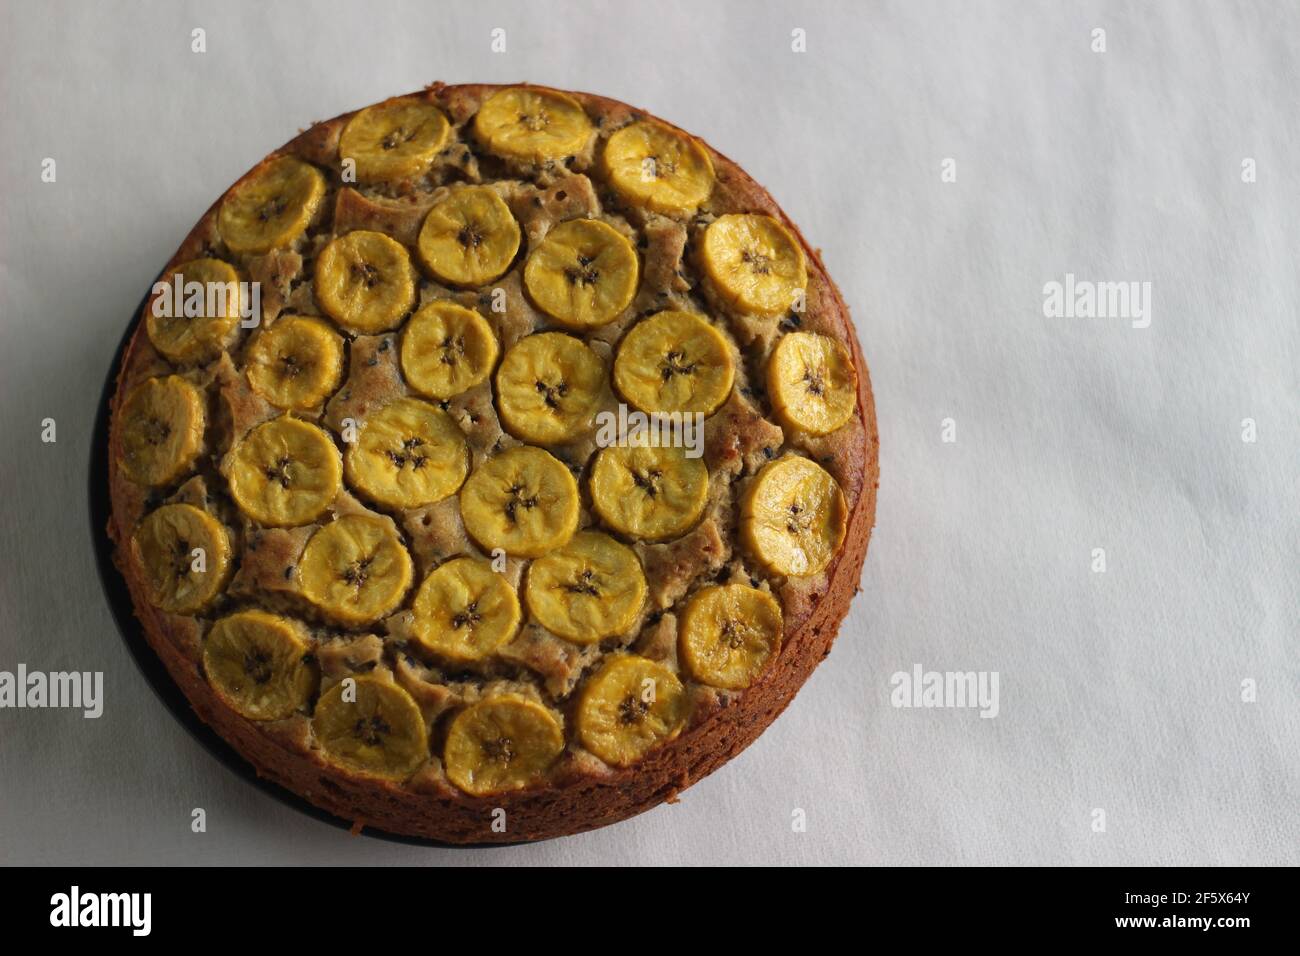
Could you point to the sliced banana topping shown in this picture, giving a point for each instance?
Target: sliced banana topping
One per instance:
(469, 238)
(629, 707)
(754, 263)
(355, 569)
(587, 590)
(272, 207)
(583, 274)
(200, 337)
(163, 422)
(549, 388)
(408, 454)
(649, 493)
(674, 362)
(365, 281)
(285, 472)
(446, 349)
(465, 611)
(260, 664)
(185, 554)
(812, 383)
(370, 726)
(793, 517)
(500, 744)
(662, 169)
(728, 633)
(296, 363)
(394, 140)
(533, 126)
(523, 501)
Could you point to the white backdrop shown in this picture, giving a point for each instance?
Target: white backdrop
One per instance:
(1119, 691)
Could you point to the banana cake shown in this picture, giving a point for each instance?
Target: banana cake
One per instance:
(365, 506)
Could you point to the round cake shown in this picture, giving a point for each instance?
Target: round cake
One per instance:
(492, 463)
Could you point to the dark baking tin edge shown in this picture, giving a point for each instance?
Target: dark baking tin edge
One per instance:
(150, 664)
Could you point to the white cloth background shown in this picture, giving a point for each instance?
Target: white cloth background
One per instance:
(1119, 691)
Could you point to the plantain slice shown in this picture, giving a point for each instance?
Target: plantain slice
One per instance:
(365, 281)
(583, 274)
(260, 664)
(532, 125)
(469, 238)
(199, 328)
(500, 744)
(285, 472)
(296, 363)
(812, 383)
(549, 388)
(674, 362)
(447, 349)
(793, 517)
(163, 422)
(355, 569)
(465, 611)
(649, 493)
(394, 141)
(629, 707)
(754, 263)
(728, 633)
(587, 590)
(523, 501)
(380, 731)
(409, 454)
(272, 207)
(185, 554)
(658, 168)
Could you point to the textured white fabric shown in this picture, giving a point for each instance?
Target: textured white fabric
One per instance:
(1119, 691)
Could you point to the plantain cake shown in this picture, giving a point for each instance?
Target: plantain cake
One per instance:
(366, 501)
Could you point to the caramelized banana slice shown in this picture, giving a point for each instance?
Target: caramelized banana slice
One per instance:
(812, 383)
(409, 453)
(185, 554)
(549, 388)
(380, 732)
(649, 493)
(163, 421)
(754, 263)
(355, 569)
(728, 633)
(501, 744)
(793, 517)
(447, 349)
(523, 501)
(583, 274)
(260, 664)
(533, 126)
(659, 168)
(296, 363)
(464, 611)
(629, 707)
(272, 207)
(589, 589)
(285, 472)
(394, 140)
(470, 238)
(202, 336)
(365, 281)
(674, 362)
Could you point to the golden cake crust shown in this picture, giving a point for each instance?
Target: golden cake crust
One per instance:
(583, 793)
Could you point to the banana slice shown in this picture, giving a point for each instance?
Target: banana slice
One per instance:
(728, 633)
(674, 362)
(469, 238)
(649, 493)
(272, 207)
(812, 383)
(296, 363)
(447, 349)
(549, 388)
(533, 126)
(500, 744)
(381, 732)
(523, 501)
(185, 554)
(464, 611)
(589, 589)
(754, 263)
(259, 664)
(355, 569)
(365, 281)
(200, 337)
(793, 517)
(285, 472)
(409, 453)
(629, 707)
(393, 141)
(163, 421)
(583, 274)
(659, 168)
